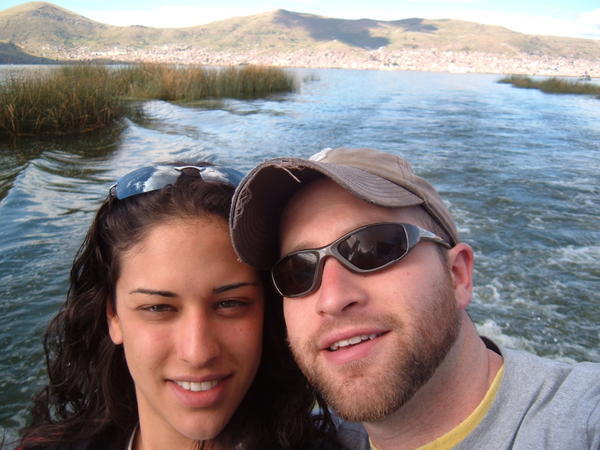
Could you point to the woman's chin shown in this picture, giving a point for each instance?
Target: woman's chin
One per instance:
(203, 431)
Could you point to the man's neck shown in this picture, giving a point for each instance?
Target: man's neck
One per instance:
(449, 397)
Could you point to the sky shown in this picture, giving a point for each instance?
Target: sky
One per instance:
(575, 18)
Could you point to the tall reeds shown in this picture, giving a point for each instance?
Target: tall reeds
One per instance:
(71, 99)
(552, 85)
(252, 82)
(191, 83)
(75, 99)
(163, 82)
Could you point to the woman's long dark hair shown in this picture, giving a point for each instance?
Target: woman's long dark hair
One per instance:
(90, 394)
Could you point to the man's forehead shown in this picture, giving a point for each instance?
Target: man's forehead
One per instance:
(324, 209)
(301, 207)
(308, 193)
(317, 199)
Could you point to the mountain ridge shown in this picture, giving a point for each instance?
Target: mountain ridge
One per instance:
(46, 30)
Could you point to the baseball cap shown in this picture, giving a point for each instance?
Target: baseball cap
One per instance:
(380, 178)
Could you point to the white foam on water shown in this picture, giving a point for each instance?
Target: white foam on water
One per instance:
(463, 219)
(585, 255)
(488, 294)
(538, 223)
(581, 182)
(492, 330)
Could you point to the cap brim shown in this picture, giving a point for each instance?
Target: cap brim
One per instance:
(261, 197)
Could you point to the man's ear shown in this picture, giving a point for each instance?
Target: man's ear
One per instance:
(114, 324)
(460, 260)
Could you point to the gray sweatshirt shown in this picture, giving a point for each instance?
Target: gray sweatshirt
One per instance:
(541, 404)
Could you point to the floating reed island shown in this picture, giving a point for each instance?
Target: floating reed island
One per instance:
(553, 85)
(82, 98)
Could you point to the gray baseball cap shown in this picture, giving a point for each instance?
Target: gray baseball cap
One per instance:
(380, 178)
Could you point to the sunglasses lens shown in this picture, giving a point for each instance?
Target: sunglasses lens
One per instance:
(294, 274)
(375, 246)
(148, 179)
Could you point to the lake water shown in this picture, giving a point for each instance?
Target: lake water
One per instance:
(520, 171)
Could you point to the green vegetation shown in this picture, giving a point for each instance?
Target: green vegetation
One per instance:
(189, 83)
(77, 99)
(553, 85)
(72, 99)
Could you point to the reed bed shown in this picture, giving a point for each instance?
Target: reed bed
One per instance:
(192, 83)
(553, 85)
(162, 82)
(72, 99)
(253, 82)
(76, 99)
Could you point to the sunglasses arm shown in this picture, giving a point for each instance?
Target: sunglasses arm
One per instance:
(427, 235)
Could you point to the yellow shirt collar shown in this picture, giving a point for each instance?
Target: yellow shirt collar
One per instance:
(466, 427)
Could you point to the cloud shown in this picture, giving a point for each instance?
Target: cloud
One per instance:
(558, 27)
(543, 25)
(591, 17)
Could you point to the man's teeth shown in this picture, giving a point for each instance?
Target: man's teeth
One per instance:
(197, 387)
(352, 341)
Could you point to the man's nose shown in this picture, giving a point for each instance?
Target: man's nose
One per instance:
(340, 290)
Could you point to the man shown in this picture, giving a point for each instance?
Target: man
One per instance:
(376, 283)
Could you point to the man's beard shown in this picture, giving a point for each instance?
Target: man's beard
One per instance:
(366, 392)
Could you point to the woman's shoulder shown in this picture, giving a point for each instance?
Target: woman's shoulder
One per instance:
(108, 438)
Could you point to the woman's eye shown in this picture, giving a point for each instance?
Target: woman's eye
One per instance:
(230, 304)
(232, 308)
(158, 308)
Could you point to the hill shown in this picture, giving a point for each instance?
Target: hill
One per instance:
(12, 54)
(280, 37)
(38, 25)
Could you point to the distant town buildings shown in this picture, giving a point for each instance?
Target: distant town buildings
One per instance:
(381, 59)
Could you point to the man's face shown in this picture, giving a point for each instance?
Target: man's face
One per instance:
(367, 342)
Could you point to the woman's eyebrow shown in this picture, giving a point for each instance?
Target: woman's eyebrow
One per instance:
(229, 287)
(153, 292)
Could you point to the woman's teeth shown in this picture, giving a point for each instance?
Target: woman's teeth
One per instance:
(197, 387)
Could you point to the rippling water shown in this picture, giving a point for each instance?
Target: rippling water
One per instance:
(520, 170)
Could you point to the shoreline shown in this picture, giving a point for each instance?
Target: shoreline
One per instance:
(421, 60)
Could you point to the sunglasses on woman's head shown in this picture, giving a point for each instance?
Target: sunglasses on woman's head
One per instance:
(366, 249)
(148, 179)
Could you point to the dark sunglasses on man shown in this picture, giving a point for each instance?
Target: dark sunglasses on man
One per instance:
(365, 249)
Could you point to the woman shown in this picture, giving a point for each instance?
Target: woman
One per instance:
(160, 343)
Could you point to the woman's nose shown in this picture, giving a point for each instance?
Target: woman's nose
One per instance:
(197, 342)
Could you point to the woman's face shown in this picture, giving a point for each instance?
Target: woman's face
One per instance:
(189, 316)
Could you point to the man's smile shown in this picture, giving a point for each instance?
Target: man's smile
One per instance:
(352, 341)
